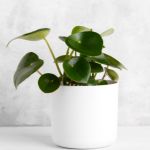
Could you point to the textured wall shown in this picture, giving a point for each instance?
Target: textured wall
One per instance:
(130, 43)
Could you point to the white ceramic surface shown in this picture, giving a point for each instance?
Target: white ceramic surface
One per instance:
(85, 116)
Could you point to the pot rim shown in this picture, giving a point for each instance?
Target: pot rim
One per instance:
(85, 86)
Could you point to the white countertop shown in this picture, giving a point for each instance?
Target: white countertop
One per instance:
(38, 138)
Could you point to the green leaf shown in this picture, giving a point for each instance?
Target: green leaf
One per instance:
(88, 43)
(66, 80)
(108, 32)
(63, 38)
(112, 74)
(95, 67)
(78, 29)
(29, 64)
(92, 81)
(33, 36)
(97, 82)
(77, 69)
(108, 60)
(62, 58)
(111, 81)
(48, 83)
(102, 82)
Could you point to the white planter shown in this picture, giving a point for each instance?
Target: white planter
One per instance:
(85, 116)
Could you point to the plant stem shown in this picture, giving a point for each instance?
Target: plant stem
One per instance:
(71, 53)
(57, 66)
(39, 72)
(67, 53)
(105, 73)
(95, 75)
(75, 53)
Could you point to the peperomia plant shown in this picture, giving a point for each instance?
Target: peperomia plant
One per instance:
(84, 62)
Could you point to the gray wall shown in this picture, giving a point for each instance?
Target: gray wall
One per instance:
(130, 43)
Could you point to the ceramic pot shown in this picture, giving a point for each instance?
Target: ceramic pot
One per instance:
(85, 116)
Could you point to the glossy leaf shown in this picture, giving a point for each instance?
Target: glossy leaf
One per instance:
(48, 83)
(97, 82)
(78, 29)
(108, 60)
(66, 80)
(112, 74)
(77, 69)
(102, 82)
(62, 58)
(108, 32)
(95, 67)
(92, 81)
(29, 64)
(88, 43)
(33, 36)
(63, 38)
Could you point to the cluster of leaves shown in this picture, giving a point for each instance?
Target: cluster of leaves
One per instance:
(83, 60)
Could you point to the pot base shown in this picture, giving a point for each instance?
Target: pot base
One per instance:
(86, 147)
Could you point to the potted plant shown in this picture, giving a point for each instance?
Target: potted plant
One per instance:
(84, 101)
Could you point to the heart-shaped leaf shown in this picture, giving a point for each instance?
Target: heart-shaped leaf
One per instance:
(29, 64)
(112, 74)
(33, 36)
(88, 43)
(78, 29)
(62, 58)
(108, 32)
(108, 60)
(95, 67)
(48, 83)
(77, 69)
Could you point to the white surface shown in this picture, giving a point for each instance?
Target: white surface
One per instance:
(38, 138)
(130, 43)
(85, 116)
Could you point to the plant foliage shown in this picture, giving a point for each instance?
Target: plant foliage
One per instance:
(85, 62)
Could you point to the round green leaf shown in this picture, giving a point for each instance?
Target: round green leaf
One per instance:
(62, 58)
(33, 36)
(108, 60)
(77, 69)
(29, 64)
(108, 32)
(78, 29)
(88, 43)
(112, 74)
(95, 67)
(48, 83)
(66, 80)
